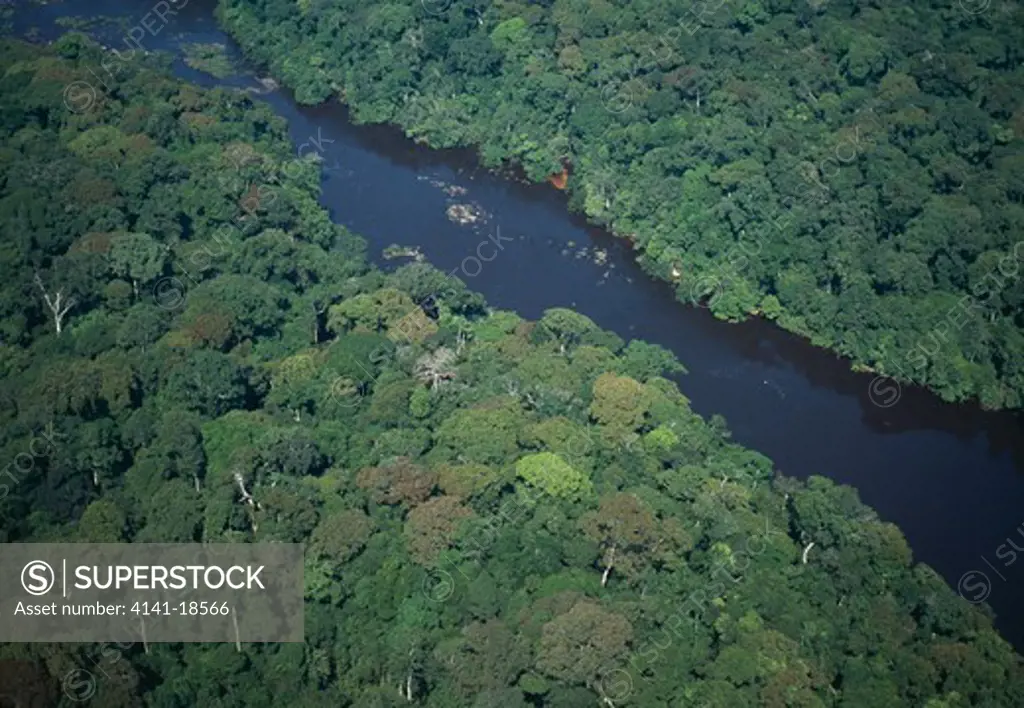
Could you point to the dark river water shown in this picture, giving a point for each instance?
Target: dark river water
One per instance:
(950, 476)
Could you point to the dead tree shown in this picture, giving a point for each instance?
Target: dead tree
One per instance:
(318, 310)
(807, 549)
(436, 367)
(247, 499)
(57, 304)
(405, 689)
(609, 564)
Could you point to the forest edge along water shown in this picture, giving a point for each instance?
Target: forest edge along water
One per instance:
(948, 475)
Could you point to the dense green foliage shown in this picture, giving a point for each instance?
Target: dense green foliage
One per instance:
(498, 513)
(852, 170)
(211, 58)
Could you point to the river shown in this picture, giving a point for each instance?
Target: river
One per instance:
(950, 476)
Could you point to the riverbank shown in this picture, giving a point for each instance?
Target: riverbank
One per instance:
(721, 190)
(950, 476)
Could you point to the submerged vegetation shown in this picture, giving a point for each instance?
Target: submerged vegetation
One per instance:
(498, 513)
(210, 58)
(850, 170)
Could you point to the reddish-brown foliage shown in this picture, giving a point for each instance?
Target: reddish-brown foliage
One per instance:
(92, 242)
(398, 482)
(89, 189)
(432, 526)
(211, 328)
(559, 179)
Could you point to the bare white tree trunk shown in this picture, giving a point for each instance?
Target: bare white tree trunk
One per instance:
(436, 367)
(608, 567)
(317, 311)
(57, 304)
(807, 550)
(234, 621)
(247, 499)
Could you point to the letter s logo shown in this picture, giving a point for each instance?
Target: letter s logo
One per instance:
(37, 577)
(974, 586)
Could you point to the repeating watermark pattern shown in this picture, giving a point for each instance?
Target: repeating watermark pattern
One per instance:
(846, 152)
(170, 292)
(80, 96)
(439, 584)
(709, 287)
(857, 139)
(319, 151)
(618, 683)
(974, 7)
(81, 685)
(41, 446)
(346, 392)
(436, 7)
(884, 390)
(617, 97)
(615, 683)
(975, 586)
